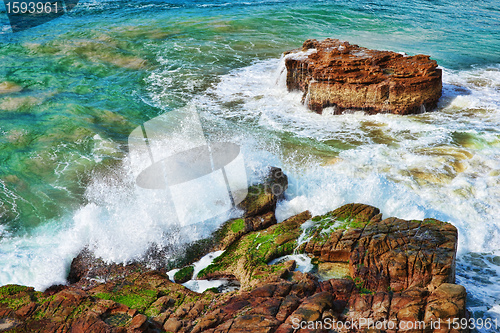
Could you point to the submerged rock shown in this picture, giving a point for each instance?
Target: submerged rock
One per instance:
(8, 87)
(336, 74)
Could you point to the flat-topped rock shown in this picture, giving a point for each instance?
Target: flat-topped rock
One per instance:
(336, 74)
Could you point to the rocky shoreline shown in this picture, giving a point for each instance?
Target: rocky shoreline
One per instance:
(367, 269)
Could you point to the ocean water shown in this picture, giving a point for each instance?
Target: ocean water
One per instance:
(72, 90)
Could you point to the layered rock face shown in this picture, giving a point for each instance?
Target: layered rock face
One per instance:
(336, 74)
(394, 272)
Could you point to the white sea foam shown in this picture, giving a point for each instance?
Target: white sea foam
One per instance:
(205, 262)
(302, 262)
(300, 55)
(200, 286)
(171, 273)
(119, 224)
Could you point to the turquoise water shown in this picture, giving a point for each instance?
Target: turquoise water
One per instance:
(72, 90)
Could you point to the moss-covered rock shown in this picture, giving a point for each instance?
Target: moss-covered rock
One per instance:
(184, 274)
(13, 289)
(262, 198)
(247, 258)
(237, 225)
(15, 296)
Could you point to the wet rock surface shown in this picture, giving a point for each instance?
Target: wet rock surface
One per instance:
(336, 74)
(401, 273)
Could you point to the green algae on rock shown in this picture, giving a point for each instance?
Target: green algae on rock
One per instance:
(184, 274)
(247, 258)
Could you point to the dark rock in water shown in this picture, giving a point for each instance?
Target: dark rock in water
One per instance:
(262, 198)
(399, 272)
(87, 270)
(333, 73)
(54, 289)
(81, 266)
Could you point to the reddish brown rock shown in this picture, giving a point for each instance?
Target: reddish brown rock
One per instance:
(446, 303)
(333, 73)
(392, 254)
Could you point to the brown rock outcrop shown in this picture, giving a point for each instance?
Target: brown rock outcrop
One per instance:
(333, 73)
(390, 254)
